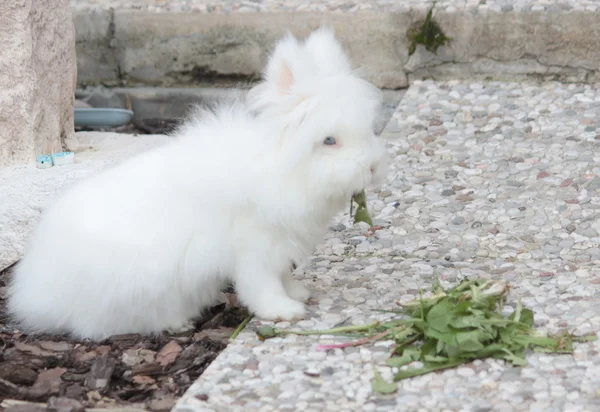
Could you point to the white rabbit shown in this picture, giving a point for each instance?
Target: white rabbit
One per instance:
(239, 194)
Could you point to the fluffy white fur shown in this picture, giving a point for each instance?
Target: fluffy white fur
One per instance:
(240, 193)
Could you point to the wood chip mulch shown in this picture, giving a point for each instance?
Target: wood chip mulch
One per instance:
(56, 373)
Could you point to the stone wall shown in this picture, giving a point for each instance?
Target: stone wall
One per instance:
(131, 48)
(37, 78)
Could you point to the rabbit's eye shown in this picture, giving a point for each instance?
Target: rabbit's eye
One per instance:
(329, 141)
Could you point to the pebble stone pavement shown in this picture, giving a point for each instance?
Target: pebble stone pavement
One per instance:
(500, 180)
(341, 6)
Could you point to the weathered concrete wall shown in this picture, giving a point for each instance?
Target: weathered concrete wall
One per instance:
(547, 46)
(180, 49)
(37, 78)
(135, 48)
(189, 47)
(95, 52)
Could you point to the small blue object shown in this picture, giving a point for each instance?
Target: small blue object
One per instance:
(102, 117)
(44, 161)
(63, 158)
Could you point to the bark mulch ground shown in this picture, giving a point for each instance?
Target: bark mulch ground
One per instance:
(56, 373)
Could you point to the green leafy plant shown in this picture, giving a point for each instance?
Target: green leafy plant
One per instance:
(428, 33)
(362, 213)
(448, 329)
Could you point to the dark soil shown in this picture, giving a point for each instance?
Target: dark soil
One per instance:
(59, 373)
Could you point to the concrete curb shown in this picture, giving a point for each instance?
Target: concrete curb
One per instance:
(26, 191)
(178, 49)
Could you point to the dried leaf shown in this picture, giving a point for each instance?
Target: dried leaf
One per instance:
(147, 369)
(221, 334)
(94, 396)
(56, 346)
(132, 357)
(100, 373)
(32, 349)
(163, 404)
(47, 383)
(9, 389)
(143, 380)
(17, 373)
(168, 353)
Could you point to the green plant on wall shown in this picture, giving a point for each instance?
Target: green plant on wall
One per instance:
(428, 33)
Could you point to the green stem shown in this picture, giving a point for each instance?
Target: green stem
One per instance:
(429, 301)
(370, 339)
(410, 373)
(241, 327)
(333, 331)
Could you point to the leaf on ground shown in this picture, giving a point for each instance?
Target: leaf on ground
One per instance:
(440, 315)
(380, 385)
(409, 355)
(513, 358)
(435, 359)
(454, 327)
(362, 213)
(168, 353)
(469, 341)
(447, 337)
(527, 317)
(468, 321)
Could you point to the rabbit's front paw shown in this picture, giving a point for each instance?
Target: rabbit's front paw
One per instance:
(281, 308)
(295, 289)
(181, 328)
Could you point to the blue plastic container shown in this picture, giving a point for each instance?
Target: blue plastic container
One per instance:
(102, 117)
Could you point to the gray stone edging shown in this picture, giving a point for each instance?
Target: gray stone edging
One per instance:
(488, 179)
(131, 48)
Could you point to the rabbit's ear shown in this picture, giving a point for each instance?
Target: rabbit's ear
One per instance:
(280, 68)
(327, 52)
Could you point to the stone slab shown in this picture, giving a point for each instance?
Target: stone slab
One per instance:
(496, 180)
(37, 79)
(25, 191)
(196, 42)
